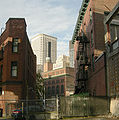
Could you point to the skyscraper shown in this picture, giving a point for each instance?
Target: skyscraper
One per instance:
(44, 46)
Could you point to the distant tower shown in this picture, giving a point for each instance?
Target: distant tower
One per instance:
(44, 46)
(48, 66)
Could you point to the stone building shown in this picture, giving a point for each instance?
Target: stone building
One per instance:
(17, 64)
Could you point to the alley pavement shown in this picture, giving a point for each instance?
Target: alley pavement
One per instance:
(93, 118)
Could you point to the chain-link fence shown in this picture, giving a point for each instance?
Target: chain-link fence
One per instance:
(29, 107)
(55, 108)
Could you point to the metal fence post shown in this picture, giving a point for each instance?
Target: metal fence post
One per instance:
(6, 105)
(22, 109)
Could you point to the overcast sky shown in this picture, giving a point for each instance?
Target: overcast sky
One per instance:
(53, 17)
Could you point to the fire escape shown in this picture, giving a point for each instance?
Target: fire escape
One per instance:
(82, 64)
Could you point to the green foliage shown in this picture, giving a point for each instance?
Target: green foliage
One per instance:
(86, 94)
(39, 85)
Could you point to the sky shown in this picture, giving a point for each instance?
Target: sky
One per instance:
(52, 17)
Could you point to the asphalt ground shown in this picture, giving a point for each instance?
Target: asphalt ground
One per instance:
(93, 118)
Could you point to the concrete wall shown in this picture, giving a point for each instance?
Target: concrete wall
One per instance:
(114, 106)
(80, 106)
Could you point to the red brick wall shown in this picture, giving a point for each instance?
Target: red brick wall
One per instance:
(16, 87)
(65, 74)
(97, 78)
(48, 66)
(97, 26)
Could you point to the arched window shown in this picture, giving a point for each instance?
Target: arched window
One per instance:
(53, 90)
(62, 89)
(49, 90)
(57, 89)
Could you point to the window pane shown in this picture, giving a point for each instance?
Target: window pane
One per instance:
(15, 45)
(57, 89)
(15, 49)
(62, 89)
(14, 69)
(115, 45)
(53, 90)
(14, 72)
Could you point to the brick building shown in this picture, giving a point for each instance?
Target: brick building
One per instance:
(88, 39)
(112, 49)
(97, 82)
(17, 63)
(59, 81)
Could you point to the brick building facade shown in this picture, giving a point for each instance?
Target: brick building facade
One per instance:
(90, 27)
(59, 82)
(17, 63)
(112, 50)
(97, 81)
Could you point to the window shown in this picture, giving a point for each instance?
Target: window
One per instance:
(1, 71)
(53, 90)
(115, 45)
(15, 45)
(91, 38)
(2, 51)
(57, 89)
(49, 49)
(49, 90)
(14, 69)
(0, 90)
(53, 82)
(57, 81)
(90, 16)
(62, 80)
(93, 62)
(49, 82)
(62, 89)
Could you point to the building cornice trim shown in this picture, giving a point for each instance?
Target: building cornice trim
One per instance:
(80, 19)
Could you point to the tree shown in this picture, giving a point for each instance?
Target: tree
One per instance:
(39, 85)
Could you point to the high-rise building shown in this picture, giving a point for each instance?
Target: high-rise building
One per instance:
(44, 46)
(71, 53)
(17, 65)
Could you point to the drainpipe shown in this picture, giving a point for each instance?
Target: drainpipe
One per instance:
(106, 69)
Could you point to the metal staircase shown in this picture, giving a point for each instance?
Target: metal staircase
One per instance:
(82, 65)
